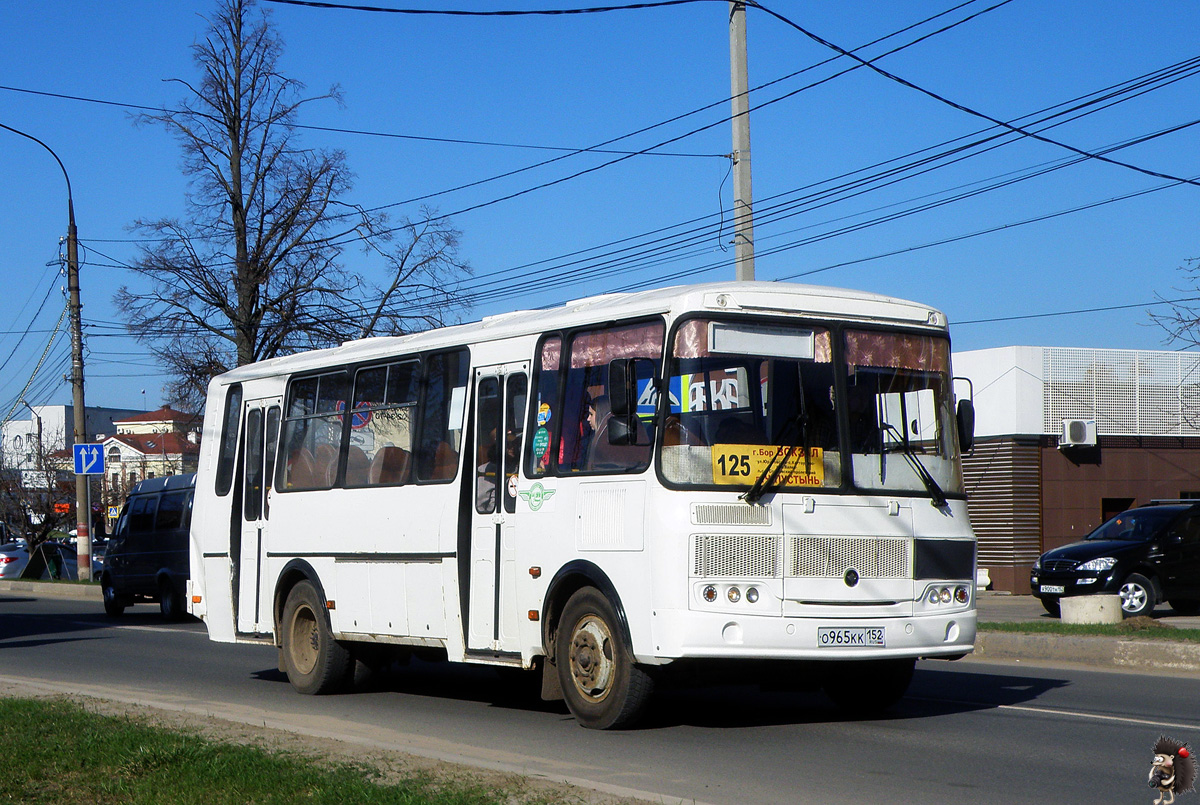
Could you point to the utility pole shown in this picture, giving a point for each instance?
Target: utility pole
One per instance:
(743, 213)
(83, 497)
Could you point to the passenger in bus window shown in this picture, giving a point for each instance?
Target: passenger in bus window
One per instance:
(486, 476)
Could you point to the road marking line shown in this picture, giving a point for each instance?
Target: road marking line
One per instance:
(132, 628)
(1050, 711)
(1098, 717)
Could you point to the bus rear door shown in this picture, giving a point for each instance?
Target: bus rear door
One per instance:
(261, 434)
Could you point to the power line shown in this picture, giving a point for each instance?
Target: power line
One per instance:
(1077, 312)
(550, 12)
(364, 132)
(963, 108)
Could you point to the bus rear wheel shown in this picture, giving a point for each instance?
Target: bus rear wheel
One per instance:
(602, 686)
(315, 663)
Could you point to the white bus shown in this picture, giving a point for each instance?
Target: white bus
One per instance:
(758, 476)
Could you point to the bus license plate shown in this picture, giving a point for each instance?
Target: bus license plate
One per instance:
(1052, 588)
(828, 636)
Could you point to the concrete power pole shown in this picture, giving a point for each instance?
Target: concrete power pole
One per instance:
(83, 501)
(743, 213)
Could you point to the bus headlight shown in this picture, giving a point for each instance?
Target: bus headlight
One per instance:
(710, 593)
(734, 595)
(961, 595)
(944, 595)
(752, 595)
(933, 596)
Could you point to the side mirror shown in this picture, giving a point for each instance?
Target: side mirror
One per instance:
(966, 425)
(622, 388)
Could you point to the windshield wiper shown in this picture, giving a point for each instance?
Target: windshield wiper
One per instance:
(770, 473)
(931, 486)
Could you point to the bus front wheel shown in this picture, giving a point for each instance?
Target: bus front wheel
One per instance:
(314, 661)
(602, 687)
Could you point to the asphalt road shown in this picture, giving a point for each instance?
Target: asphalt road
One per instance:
(967, 731)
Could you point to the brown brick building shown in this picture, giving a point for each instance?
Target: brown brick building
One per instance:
(1067, 437)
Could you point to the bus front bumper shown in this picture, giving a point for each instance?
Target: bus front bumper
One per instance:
(682, 634)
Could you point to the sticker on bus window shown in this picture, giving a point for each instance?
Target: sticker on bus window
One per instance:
(742, 464)
(543, 414)
(541, 441)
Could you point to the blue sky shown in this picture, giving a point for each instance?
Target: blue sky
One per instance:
(576, 81)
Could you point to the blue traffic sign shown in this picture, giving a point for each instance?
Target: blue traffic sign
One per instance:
(89, 459)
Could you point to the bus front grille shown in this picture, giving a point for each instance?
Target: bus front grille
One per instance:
(831, 557)
(736, 555)
(758, 556)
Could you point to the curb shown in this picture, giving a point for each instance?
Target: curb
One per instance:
(51, 589)
(1132, 654)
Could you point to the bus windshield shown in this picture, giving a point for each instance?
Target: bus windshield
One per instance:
(901, 415)
(758, 406)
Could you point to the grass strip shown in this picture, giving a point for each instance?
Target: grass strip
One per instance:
(61, 754)
(1139, 628)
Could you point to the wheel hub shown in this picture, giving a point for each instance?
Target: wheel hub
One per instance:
(591, 658)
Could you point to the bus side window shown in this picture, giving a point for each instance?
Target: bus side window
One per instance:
(441, 427)
(312, 431)
(227, 451)
(547, 411)
(381, 431)
(589, 440)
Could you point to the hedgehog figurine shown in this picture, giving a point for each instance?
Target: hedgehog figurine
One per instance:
(1173, 770)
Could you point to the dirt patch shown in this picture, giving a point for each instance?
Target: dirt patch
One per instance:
(1141, 623)
(390, 766)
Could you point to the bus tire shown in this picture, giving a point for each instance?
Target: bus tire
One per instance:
(314, 661)
(868, 687)
(602, 686)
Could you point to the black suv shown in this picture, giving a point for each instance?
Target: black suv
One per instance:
(1147, 555)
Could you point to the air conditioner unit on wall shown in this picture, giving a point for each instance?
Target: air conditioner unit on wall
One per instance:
(1078, 433)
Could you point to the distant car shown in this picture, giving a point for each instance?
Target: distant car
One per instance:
(62, 562)
(13, 558)
(1146, 555)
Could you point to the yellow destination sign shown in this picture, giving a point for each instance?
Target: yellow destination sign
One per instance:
(742, 464)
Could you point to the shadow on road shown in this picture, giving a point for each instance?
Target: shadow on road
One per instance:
(933, 693)
(16, 628)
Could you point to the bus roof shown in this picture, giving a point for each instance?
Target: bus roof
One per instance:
(763, 298)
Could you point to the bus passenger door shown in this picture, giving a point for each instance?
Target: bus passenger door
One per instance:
(260, 431)
(501, 394)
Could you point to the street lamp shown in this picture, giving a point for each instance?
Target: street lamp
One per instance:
(83, 505)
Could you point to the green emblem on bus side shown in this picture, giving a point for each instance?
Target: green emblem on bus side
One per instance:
(536, 495)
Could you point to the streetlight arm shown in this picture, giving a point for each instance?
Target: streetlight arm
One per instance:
(83, 505)
(63, 168)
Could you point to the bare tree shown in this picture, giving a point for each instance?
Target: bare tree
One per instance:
(1182, 321)
(255, 268)
(36, 497)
